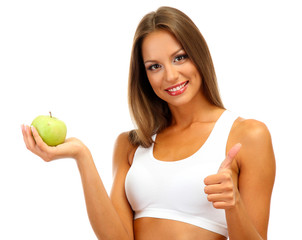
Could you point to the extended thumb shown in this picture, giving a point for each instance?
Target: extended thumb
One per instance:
(230, 157)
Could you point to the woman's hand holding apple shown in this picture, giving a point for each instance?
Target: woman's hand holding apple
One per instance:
(71, 148)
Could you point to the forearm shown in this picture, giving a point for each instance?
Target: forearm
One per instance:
(240, 225)
(103, 217)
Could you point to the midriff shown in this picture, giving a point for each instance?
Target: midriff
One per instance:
(164, 229)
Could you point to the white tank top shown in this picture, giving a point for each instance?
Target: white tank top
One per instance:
(175, 189)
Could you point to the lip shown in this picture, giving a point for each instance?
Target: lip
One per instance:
(177, 89)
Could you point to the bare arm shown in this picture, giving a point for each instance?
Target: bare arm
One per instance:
(244, 183)
(256, 162)
(104, 218)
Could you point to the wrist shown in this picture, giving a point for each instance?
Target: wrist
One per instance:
(81, 152)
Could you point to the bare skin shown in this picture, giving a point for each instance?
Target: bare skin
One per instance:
(239, 186)
(242, 186)
(254, 186)
(256, 201)
(161, 229)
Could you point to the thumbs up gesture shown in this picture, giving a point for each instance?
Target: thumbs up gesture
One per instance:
(220, 187)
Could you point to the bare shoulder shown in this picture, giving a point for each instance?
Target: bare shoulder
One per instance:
(123, 151)
(122, 141)
(250, 130)
(256, 141)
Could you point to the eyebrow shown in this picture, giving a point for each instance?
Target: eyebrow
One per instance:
(177, 51)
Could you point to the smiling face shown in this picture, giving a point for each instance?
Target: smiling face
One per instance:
(172, 75)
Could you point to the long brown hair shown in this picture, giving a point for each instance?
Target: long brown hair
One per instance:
(150, 113)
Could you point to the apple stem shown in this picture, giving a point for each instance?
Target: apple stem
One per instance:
(50, 114)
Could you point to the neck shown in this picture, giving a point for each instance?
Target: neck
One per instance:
(198, 111)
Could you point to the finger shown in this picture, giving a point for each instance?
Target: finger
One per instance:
(216, 197)
(212, 179)
(23, 132)
(234, 150)
(39, 142)
(28, 138)
(23, 129)
(44, 151)
(222, 205)
(213, 189)
(218, 178)
(230, 157)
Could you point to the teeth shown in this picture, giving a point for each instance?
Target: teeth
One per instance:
(177, 88)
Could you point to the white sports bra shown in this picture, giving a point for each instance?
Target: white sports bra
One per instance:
(175, 189)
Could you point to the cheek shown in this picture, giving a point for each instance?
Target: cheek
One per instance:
(154, 82)
(196, 75)
(190, 69)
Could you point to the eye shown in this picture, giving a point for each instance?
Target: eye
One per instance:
(154, 67)
(180, 58)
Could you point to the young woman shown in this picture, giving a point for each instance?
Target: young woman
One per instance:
(191, 169)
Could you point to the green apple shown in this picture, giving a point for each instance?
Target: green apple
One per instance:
(51, 130)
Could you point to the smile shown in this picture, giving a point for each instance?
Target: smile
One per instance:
(177, 89)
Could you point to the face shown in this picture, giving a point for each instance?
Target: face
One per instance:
(172, 75)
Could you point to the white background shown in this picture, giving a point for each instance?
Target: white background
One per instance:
(72, 57)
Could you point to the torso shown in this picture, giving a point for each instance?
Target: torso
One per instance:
(181, 145)
(163, 229)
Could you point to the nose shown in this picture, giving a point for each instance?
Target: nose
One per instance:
(171, 73)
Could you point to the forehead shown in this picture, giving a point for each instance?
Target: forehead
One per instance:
(158, 43)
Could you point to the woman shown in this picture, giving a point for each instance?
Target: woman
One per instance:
(191, 169)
